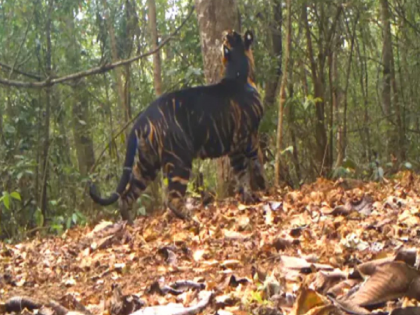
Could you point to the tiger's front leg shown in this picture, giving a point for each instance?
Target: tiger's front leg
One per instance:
(239, 164)
(257, 169)
(178, 176)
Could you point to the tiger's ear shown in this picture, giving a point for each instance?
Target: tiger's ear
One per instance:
(248, 39)
(226, 53)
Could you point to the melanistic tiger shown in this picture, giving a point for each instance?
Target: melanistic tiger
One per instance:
(199, 122)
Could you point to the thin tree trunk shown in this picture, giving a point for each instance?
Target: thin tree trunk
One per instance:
(157, 83)
(398, 138)
(283, 94)
(215, 17)
(81, 130)
(396, 105)
(342, 123)
(2, 139)
(386, 59)
(320, 132)
(272, 86)
(364, 81)
(48, 92)
(118, 70)
(290, 114)
(386, 72)
(157, 72)
(80, 111)
(335, 104)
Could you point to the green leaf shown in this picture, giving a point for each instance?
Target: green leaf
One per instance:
(408, 165)
(141, 211)
(288, 149)
(146, 196)
(381, 172)
(74, 218)
(348, 163)
(39, 218)
(57, 227)
(6, 200)
(16, 195)
(68, 223)
(306, 104)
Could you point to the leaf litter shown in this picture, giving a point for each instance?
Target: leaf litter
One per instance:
(328, 248)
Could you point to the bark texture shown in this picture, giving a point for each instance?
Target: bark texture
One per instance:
(157, 72)
(283, 93)
(272, 86)
(215, 17)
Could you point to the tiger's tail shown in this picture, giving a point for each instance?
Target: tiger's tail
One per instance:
(125, 177)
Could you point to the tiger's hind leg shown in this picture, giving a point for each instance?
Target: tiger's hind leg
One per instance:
(178, 174)
(141, 177)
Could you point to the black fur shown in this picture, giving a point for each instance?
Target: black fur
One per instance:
(200, 122)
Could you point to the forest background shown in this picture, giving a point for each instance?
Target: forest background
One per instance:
(347, 73)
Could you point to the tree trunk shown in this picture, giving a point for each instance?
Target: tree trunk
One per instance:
(335, 105)
(157, 83)
(386, 58)
(283, 94)
(271, 87)
(46, 145)
(118, 70)
(2, 139)
(342, 124)
(398, 137)
(320, 131)
(82, 138)
(157, 72)
(215, 17)
(80, 110)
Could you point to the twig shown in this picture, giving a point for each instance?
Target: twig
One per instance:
(101, 69)
(26, 74)
(113, 138)
(20, 48)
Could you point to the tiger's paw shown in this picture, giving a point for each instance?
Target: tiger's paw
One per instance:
(179, 210)
(248, 198)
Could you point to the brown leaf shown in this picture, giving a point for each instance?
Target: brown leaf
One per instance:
(406, 311)
(295, 263)
(325, 280)
(389, 281)
(349, 307)
(369, 268)
(325, 310)
(342, 287)
(307, 300)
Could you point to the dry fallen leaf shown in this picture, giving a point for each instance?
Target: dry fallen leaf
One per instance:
(389, 281)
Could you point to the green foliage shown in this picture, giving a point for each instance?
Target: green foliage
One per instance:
(7, 199)
(141, 210)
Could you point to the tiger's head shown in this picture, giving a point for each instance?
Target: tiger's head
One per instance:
(238, 60)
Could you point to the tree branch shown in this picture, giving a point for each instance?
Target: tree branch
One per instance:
(101, 69)
(26, 74)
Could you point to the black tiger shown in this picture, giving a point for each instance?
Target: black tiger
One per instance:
(200, 122)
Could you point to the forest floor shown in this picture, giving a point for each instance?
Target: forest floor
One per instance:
(328, 248)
